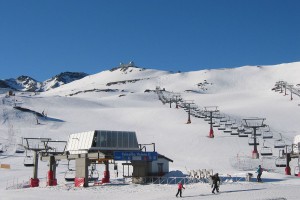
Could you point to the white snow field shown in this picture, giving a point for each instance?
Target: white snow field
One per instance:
(116, 100)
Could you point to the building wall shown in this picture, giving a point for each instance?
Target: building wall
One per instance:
(154, 166)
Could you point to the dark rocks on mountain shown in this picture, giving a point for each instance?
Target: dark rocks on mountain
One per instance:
(94, 90)
(3, 84)
(67, 77)
(125, 67)
(29, 83)
(63, 78)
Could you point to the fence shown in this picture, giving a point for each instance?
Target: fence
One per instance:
(15, 183)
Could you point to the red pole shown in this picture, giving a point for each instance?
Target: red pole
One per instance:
(287, 168)
(211, 131)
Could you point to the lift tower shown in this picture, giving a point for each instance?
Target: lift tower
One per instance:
(36, 145)
(187, 105)
(211, 110)
(255, 123)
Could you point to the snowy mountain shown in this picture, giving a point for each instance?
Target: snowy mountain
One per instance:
(28, 84)
(128, 98)
(61, 79)
(23, 83)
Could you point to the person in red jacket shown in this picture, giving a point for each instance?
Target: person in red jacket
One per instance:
(180, 186)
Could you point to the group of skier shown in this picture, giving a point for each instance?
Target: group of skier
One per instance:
(215, 182)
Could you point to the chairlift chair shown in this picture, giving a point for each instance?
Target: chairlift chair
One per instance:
(20, 149)
(222, 127)
(207, 118)
(266, 151)
(279, 144)
(258, 132)
(234, 132)
(242, 133)
(228, 122)
(248, 131)
(28, 161)
(217, 116)
(70, 173)
(217, 124)
(227, 129)
(251, 141)
(1, 148)
(267, 135)
(280, 162)
(296, 171)
(201, 115)
(234, 126)
(223, 119)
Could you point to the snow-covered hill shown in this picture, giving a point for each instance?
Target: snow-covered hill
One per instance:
(125, 99)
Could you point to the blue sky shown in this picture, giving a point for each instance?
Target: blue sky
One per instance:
(43, 38)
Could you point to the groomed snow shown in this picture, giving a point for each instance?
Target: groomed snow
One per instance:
(239, 93)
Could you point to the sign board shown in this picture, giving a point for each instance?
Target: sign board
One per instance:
(135, 155)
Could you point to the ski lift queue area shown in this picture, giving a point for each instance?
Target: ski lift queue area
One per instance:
(97, 147)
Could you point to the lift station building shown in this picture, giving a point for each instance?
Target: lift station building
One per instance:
(100, 146)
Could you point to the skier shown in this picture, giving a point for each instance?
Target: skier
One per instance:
(259, 173)
(215, 183)
(180, 186)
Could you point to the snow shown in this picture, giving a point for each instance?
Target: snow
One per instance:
(238, 93)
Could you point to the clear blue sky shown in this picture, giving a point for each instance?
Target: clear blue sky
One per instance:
(41, 38)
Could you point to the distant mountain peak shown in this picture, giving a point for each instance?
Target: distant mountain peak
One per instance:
(62, 78)
(26, 83)
(67, 77)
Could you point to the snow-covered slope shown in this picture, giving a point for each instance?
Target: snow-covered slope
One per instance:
(116, 100)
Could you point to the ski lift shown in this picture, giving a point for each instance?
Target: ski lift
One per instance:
(241, 132)
(28, 161)
(279, 143)
(222, 127)
(258, 132)
(70, 173)
(267, 134)
(93, 173)
(223, 119)
(251, 141)
(227, 129)
(1, 148)
(228, 123)
(207, 119)
(248, 131)
(202, 115)
(20, 149)
(296, 171)
(217, 124)
(217, 116)
(281, 160)
(234, 132)
(266, 151)
(234, 126)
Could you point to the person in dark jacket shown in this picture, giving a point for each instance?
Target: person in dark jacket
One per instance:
(180, 186)
(215, 183)
(259, 173)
